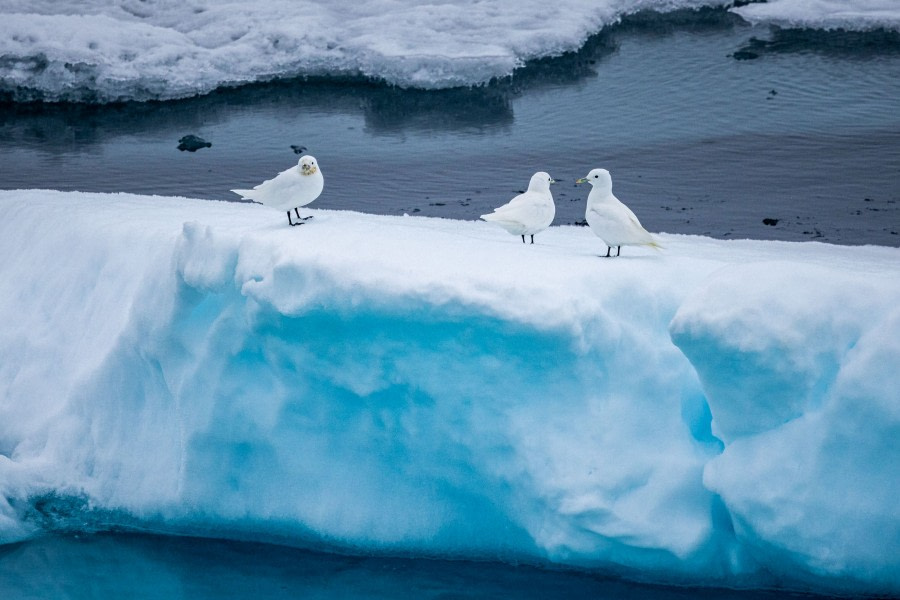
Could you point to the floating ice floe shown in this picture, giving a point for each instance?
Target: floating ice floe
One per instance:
(852, 15)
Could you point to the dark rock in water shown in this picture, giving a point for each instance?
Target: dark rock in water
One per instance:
(744, 55)
(192, 143)
(581, 223)
(770, 222)
(739, 3)
(298, 149)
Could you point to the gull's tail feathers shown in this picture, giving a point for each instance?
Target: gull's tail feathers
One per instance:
(245, 194)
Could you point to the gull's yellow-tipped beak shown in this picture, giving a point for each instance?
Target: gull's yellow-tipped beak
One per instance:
(581, 180)
(552, 180)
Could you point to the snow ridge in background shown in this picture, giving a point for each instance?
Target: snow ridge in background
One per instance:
(852, 15)
(200, 367)
(111, 50)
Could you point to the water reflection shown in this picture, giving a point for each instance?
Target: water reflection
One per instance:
(656, 99)
(64, 128)
(836, 43)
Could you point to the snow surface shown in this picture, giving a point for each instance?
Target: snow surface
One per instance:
(109, 50)
(723, 412)
(854, 15)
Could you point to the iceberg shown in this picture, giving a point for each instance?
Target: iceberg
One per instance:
(720, 413)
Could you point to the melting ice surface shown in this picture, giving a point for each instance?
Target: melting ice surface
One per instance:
(722, 412)
(854, 15)
(111, 50)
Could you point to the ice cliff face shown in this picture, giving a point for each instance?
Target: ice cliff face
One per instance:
(432, 387)
(798, 365)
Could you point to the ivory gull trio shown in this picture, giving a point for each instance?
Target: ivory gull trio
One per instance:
(528, 213)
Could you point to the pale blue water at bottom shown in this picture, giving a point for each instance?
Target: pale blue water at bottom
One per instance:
(131, 566)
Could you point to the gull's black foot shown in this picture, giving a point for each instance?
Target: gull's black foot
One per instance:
(608, 249)
(291, 221)
(523, 238)
(307, 218)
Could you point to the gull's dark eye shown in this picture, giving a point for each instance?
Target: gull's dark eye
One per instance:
(596, 176)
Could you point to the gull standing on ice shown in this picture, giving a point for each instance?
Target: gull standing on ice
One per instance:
(609, 219)
(528, 213)
(290, 189)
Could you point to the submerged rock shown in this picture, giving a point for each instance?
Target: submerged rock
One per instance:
(192, 143)
(745, 55)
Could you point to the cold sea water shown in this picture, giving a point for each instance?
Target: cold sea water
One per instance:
(102, 566)
(708, 125)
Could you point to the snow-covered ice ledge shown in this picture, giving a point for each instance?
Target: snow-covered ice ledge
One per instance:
(719, 413)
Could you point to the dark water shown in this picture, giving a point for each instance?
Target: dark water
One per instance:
(707, 125)
(103, 566)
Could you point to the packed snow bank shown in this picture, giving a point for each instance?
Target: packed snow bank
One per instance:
(799, 364)
(428, 386)
(111, 50)
(853, 15)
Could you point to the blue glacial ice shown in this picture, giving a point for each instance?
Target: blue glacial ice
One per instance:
(720, 413)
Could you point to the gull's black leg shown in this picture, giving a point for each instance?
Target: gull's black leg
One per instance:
(608, 248)
(618, 250)
(532, 238)
(292, 224)
(299, 218)
(523, 238)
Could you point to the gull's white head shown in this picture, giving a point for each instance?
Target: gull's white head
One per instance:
(540, 182)
(599, 178)
(308, 165)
